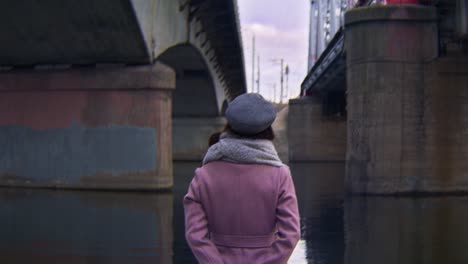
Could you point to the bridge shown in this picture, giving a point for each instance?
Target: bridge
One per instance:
(387, 96)
(93, 93)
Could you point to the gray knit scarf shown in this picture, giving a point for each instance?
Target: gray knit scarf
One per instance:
(241, 150)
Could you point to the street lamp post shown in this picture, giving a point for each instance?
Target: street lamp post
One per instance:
(281, 93)
(253, 63)
(286, 72)
(274, 92)
(281, 77)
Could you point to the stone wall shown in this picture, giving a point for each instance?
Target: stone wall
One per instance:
(190, 136)
(445, 141)
(312, 136)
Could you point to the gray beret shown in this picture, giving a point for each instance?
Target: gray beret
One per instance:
(250, 114)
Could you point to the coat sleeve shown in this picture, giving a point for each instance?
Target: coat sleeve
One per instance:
(196, 227)
(287, 220)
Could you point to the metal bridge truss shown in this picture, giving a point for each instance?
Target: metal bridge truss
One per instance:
(327, 65)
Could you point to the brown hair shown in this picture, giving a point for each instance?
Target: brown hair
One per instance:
(265, 134)
(214, 138)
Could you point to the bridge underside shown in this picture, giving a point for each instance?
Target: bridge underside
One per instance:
(70, 32)
(191, 37)
(197, 103)
(196, 94)
(329, 72)
(87, 88)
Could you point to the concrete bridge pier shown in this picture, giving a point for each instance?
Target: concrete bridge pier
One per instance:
(96, 127)
(191, 134)
(406, 116)
(315, 135)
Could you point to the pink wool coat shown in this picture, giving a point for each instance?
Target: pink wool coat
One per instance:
(241, 213)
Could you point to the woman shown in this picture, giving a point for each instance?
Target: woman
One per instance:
(241, 205)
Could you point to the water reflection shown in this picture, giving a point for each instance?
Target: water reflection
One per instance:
(406, 230)
(85, 227)
(105, 227)
(183, 173)
(319, 188)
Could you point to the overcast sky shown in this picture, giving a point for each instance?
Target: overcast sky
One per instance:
(281, 31)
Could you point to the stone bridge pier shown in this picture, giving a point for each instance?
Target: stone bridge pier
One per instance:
(316, 130)
(87, 128)
(407, 104)
(388, 96)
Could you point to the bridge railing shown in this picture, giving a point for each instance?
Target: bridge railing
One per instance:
(453, 31)
(329, 65)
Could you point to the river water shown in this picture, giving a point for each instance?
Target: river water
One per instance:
(44, 226)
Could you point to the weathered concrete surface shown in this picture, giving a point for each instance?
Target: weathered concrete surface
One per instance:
(385, 82)
(87, 128)
(90, 78)
(190, 136)
(406, 230)
(280, 128)
(313, 137)
(399, 34)
(406, 110)
(446, 126)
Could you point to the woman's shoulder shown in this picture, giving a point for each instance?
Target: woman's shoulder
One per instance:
(226, 163)
(218, 166)
(285, 171)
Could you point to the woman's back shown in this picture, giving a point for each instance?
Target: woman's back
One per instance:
(240, 199)
(241, 205)
(241, 213)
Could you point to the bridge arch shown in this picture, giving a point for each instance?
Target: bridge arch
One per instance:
(197, 101)
(197, 92)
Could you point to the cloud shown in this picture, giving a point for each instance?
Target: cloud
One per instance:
(280, 32)
(273, 44)
(286, 15)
